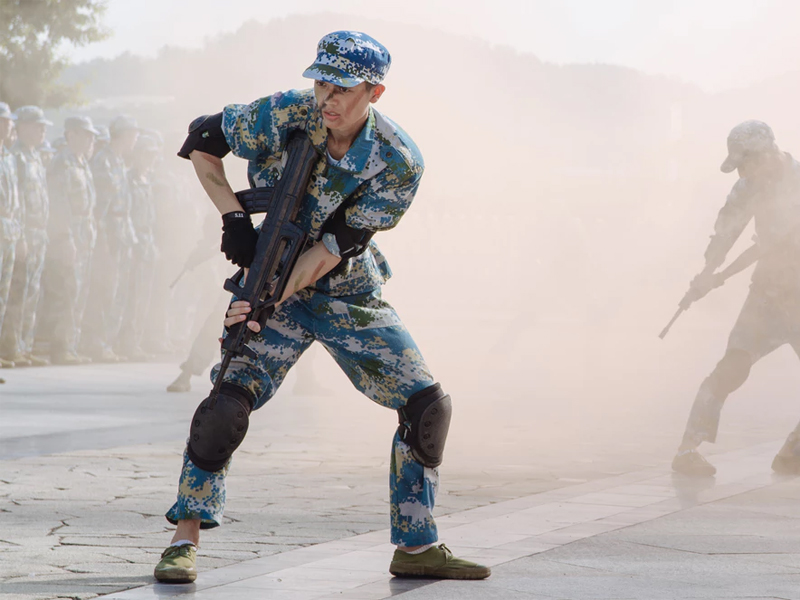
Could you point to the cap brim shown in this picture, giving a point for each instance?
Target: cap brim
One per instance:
(730, 164)
(332, 75)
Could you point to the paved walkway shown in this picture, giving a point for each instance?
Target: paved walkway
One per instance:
(577, 502)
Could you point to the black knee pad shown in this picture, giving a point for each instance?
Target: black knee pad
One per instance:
(216, 432)
(731, 372)
(424, 422)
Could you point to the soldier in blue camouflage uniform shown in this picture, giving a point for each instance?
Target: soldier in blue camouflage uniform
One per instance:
(115, 240)
(10, 216)
(19, 324)
(145, 253)
(73, 233)
(768, 192)
(370, 169)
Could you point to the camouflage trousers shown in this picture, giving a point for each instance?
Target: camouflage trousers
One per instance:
(366, 338)
(108, 290)
(19, 323)
(139, 289)
(8, 247)
(769, 319)
(67, 288)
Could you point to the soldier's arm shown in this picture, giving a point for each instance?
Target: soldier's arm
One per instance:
(211, 173)
(731, 222)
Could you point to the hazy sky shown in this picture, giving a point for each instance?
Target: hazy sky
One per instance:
(715, 43)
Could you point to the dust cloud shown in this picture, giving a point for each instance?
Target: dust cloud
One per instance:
(563, 211)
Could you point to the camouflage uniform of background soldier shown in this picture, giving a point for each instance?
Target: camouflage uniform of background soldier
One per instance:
(364, 181)
(73, 234)
(145, 253)
(19, 324)
(768, 191)
(10, 216)
(108, 289)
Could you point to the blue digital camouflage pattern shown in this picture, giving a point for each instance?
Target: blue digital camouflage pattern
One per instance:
(747, 138)
(73, 233)
(19, 323)
(348, 58)
(770, 316)
(143, 263)
(114, 247)
(379, 175)
(365, 336)
(10, 229)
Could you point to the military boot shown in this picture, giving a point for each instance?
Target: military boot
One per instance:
(177, 564)
(65, 358)
(19, 360)
(37, 361)
(691, 462)
(436, 563)
(183, 383)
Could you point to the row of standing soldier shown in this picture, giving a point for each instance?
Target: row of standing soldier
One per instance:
(78, 252)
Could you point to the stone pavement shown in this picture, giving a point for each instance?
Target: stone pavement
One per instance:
(564, 503)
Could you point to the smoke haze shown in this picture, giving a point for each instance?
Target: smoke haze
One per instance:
(563, 211)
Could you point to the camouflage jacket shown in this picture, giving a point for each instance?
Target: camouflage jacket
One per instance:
(378, 177)
(143, 215)
(32, 187)
(72, 194)
(113, 208)
(10, 210)
(775, 207)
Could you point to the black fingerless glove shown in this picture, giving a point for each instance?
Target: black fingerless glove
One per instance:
(238, 238)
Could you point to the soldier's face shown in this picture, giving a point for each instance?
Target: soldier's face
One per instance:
(344, 109)
(760, 165)
(31, 134)
(81, 142)
(5, 128)
(127, 140)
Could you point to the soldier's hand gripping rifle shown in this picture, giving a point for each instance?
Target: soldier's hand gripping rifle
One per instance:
(715, 280)
(279, 245)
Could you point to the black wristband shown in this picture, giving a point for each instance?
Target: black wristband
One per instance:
(230, 217)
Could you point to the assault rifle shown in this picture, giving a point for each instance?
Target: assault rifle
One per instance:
(744, 260)
(279, 245)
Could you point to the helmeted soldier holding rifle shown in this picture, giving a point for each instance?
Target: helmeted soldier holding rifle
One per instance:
(332, 172)
(768, 192)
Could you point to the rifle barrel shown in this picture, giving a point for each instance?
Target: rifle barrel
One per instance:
(666, 329)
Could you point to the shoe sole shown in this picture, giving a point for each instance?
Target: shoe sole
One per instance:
(440, 573)
(781, 467)
(175, 576)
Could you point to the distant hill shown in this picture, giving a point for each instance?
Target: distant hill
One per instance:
(446, 90)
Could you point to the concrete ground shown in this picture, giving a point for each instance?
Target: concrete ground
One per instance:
(563, 500)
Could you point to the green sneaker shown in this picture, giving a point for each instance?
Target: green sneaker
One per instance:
(437, 563)
(177, 564)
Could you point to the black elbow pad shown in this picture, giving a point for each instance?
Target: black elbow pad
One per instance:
(351, 241)
(205, 135)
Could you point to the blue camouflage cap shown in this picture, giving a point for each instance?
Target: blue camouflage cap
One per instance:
(5, 112)
(31, 114)
(747, 139)
(80, 123)
(347, 58)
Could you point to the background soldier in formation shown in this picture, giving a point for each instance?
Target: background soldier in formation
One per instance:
(80, 231)
(768, 190)
(9, 215)
(115, 240)
(20, 321)
(144, 252)
(72, 238)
